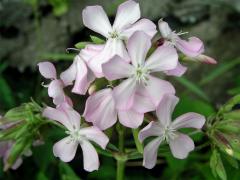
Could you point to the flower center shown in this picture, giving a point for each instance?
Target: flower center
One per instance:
(169, 133)
(75, 135)
(141, 74)
(114, 34)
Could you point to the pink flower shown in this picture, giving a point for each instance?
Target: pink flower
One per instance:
(166, 130)
(191, 48)
(55, 88)
(125, 24)
(138, 74)
(101, 111)
(66, 148)
(79, 71)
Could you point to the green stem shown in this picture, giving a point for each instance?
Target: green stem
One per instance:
(120, 169)
(121, 158)
(137, 142)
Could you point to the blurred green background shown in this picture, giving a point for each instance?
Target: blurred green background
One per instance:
(37, 30)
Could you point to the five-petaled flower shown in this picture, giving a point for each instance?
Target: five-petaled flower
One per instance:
(139, 72)
(166, 130)
(66, 148)
(125, 24)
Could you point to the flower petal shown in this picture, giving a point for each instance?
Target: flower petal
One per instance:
(65, 149)
(150, 153)
(55, 90)
(130, 118)
(178, 71)
(95, 134)
(181, 146)
(162, 59)
(144, 25)
(165, 109)
(90, 51)
(164, 29)
(193, 47)
(69, 75)
(127, 14)
(152, 129)
(124, 94)
(90, 156)
(100, 109)
(113, 47)
(142, 102)
(138, 45)
(117, 68)
(47, 70)
(84, 78)
(157, 88)
(65, 115)
(189, 120)
(95, 18)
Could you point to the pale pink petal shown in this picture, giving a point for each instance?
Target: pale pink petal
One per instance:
(55, 90)
(113, 47)
(124, 94)
(84, 78)
(178, 71)
(47, 70)
(100, 109)
(189, 120)
(164, 29)
(69, 75)
(144, 25)
(162, 59)
(150, 153)
(152, 129)
(64, 115)
(17, 164)
(96, 19)
(165, 109)
(117, 68)
(157, 88)
(181, 146)
(130, 118)
(65, 149)
(90, 51)
(90, 156)
(205, 59)
(142, 102)
(193, 47)
(127, 14)
(96, 135)
(138, 45)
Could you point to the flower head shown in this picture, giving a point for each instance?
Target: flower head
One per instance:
(167, 130)
(55, 88)
(139, 72)
(125, 24)
(66, 148)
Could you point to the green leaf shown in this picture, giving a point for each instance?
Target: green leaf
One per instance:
(81, 45)
(220, 70)
(233, 162)
(41, 176)
(192, 87)
(97, 40)
(66, 172)
(217, 165)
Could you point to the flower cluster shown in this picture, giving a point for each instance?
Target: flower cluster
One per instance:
(133, 64)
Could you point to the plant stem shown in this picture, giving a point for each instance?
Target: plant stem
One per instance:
(120, 169)
(137, 142)
(121, 158)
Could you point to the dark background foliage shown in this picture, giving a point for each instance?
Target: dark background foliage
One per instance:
(36, 30)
